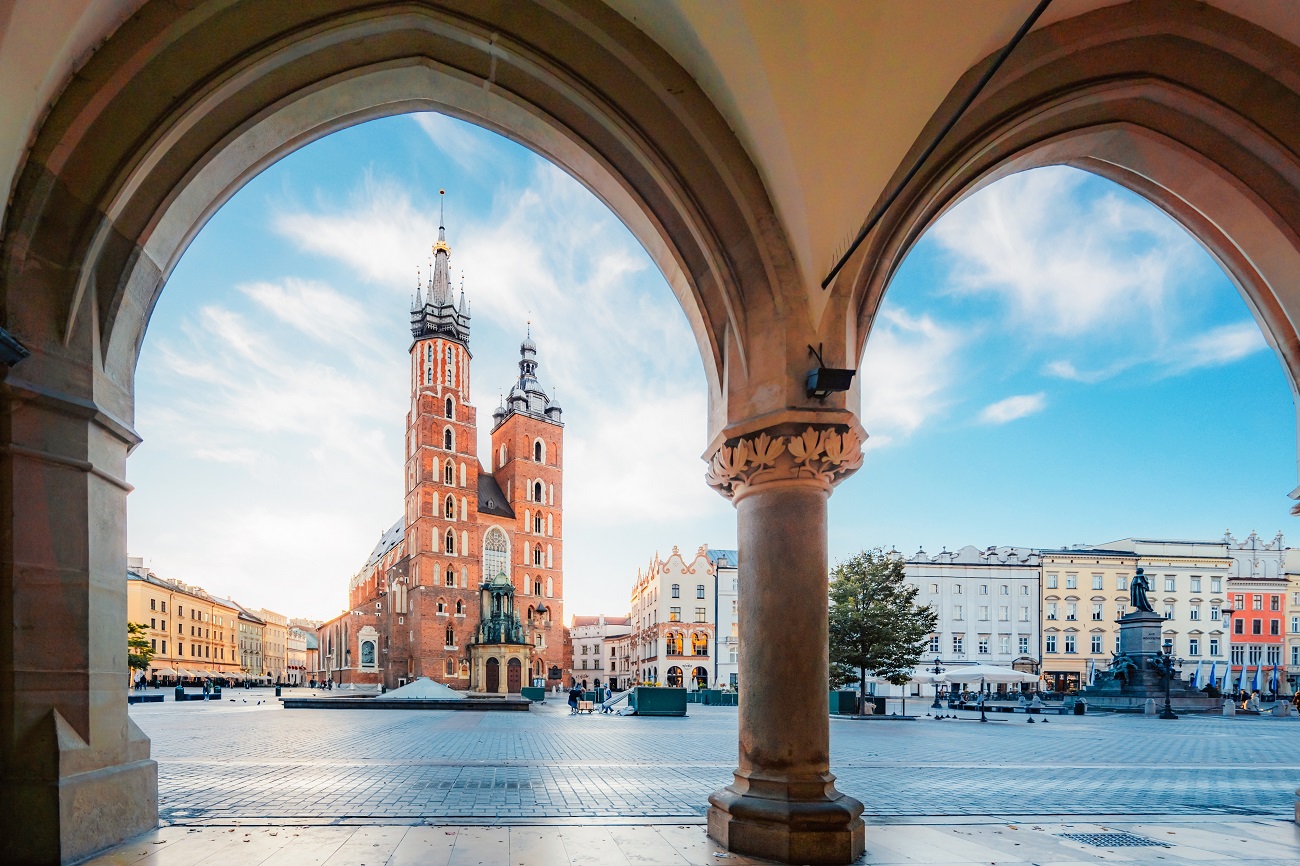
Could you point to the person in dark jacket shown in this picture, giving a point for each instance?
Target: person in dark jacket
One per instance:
(575, 695)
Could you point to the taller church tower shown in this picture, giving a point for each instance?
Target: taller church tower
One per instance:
(442, 531)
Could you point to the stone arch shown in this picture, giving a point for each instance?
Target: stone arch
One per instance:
(1166, 99)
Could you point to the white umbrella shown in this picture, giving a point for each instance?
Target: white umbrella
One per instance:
(1196, 677)
(1257, 684)
(1227, 687)
(989, 674)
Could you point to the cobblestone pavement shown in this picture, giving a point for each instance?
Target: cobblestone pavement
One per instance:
(249, 762)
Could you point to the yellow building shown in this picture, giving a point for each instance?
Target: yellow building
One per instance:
(193, 634)
(1084, 592)
(275, 639)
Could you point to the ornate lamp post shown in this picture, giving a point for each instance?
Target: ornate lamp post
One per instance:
(937, 670)
(1166, 664)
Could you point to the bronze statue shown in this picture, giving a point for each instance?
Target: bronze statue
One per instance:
(1137, 590)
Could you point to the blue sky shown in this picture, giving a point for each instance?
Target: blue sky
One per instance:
(1056, 362)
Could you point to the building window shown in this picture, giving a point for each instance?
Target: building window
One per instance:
(1214, 613)
(1051, 643)
(1051, 581)
(1274, 626)
(1004, 645)
(934, 589)
(447, 368)
(1193, 646)
(1275, 602)
(450, 411)
(1196, 583)
(701, 614)
(1121, 582)
(1171, 583)
(1239, 626)
(1004, 613)
(428, 376)
(537, 452)
(1216, 584)
(1097, 613)
(449, 474)
(934, 644)
(1195, 612)
(984, 646)
(1295, 654)
(1004, 590)
(153, 604)
(1072, 581)
(1024, 646)
(957, 644)
(674, 614)
(1256, 626)
(956, 612)
(956, 590)
(1024, 589)
(1095, 646)
(1169, 611)
(496, 553)
(1295, 624)
(451, 637)
(1238, 654)
(1070, 644)
(677, 590)
(449, 543)
(1071, 611)
(699, 590)
(1024, 613)
(1257, 602)
(449, 507)
(1255, 653)
(1097, 581)
(1274, 656)
(984, 589)
(1214, 646)
(537, 492)
(984, 613)
(537, 555)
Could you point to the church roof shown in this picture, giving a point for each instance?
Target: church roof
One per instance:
(724, 558)
(527, 396)
(491, 499)
(388, 541)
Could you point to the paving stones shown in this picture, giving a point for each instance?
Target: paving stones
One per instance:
(224, 762)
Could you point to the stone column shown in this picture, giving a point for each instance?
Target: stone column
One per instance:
(76, 770)
(783, 804)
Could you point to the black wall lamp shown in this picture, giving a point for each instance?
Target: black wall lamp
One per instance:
(824, 381)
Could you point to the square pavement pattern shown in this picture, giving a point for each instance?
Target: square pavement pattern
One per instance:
(238, 760)
(1257, 842)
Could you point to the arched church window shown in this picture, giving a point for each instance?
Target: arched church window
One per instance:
(460, 607)
(429, 353)
(501, 457)
(537, 587)
(451, 636)
(451, 410)
(450, 544)
(449, 474)
(428, 376)
(537, 555)
(496, 554)
(449, 507)
(537, 523)
(442, 606)
(537, 492)
(538, 454)
(451, 575)
(447, 367)
(447, 440)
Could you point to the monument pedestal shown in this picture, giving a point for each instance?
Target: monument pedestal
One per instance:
(1136, 678)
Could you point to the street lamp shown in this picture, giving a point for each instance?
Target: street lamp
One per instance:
(1167, 663)
(937, 670)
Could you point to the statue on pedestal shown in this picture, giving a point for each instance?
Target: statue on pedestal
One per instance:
(1137, 590)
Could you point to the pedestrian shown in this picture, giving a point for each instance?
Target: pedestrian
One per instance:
(575, 694)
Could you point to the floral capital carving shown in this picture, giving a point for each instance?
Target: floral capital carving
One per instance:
(825, 455)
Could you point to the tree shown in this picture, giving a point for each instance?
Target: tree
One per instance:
(875, 625)
(139, 651)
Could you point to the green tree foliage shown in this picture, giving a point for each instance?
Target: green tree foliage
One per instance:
(875, 625)
(139, 652)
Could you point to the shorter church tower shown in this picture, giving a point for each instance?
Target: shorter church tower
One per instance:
(527, 460)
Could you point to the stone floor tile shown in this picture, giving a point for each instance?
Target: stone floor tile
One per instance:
(482, 846)
(644, 846)
(368, 846)
(537, 845)
(591, 846)
(424, 846)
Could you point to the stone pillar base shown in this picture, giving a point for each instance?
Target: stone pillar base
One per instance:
(813, 831)
(67, 820)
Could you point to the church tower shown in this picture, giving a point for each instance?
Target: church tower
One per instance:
(442, 573)
(527, 460)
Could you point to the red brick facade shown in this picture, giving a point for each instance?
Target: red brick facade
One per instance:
(419, 591)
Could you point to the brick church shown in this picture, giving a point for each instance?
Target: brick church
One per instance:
(479, 540)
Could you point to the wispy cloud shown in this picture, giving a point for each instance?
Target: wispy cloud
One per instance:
(1012, 408)
(460, 141)
(908, 366)
(1216, 347)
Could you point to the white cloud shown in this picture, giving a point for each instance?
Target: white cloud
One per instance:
(462, 142)
(1011, 408)
(1216, 347)
(908, 364)
(1063, 265)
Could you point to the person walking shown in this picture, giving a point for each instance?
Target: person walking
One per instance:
(575, 695)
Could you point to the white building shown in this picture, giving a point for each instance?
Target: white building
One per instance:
(987, 602)
(618, 661)
(726, 644)
(1189, 585)
(591, 662)
(674, 615)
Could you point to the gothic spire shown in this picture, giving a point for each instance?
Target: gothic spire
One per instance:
(437, 313)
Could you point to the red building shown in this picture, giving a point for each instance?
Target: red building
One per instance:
(415, 605)
(1258, 627)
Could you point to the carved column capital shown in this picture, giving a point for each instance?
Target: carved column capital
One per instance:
(787, 453)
